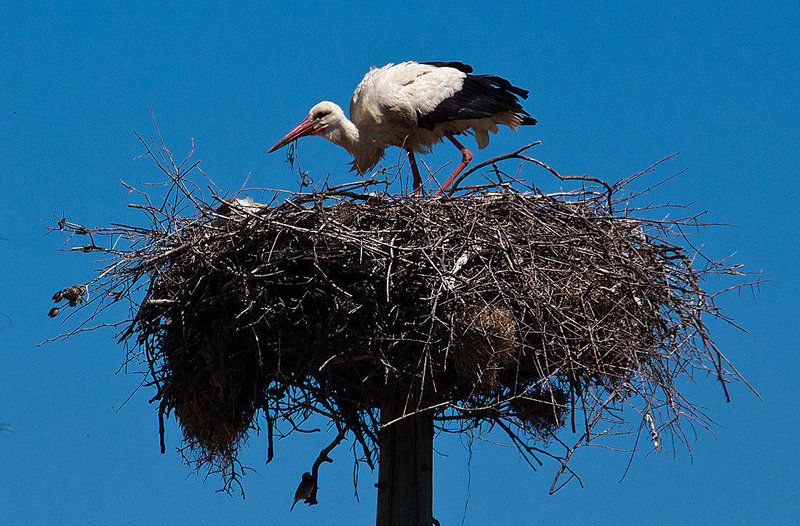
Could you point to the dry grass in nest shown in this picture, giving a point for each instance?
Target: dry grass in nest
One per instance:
(498, 308)
(485, 343)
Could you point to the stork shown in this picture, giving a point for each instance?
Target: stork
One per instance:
(414, 105)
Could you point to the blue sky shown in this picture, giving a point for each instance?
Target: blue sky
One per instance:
(615, 88)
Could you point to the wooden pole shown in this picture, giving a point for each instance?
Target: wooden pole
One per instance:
(405, 473)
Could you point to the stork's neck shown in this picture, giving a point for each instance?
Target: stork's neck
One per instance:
(344, 133)
(366, 151)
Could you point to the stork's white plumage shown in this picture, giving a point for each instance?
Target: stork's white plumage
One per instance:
(414, 105)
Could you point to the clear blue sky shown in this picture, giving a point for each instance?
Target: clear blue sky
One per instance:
(614, 90)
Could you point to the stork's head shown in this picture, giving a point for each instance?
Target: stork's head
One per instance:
(324, 119)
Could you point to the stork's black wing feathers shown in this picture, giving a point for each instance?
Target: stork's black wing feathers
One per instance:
(460, 66)
(480, 97)
(502, 83)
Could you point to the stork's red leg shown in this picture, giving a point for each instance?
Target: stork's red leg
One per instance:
(465, 160)
(415, 172)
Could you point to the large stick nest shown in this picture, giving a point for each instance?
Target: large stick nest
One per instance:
(497, 307)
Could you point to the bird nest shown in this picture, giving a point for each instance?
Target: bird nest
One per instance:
(495, 308)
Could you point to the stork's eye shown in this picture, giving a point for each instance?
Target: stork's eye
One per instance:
(321, 114)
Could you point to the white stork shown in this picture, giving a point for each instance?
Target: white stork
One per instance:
(414, 105)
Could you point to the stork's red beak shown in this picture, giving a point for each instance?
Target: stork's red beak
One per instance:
(306, 127)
